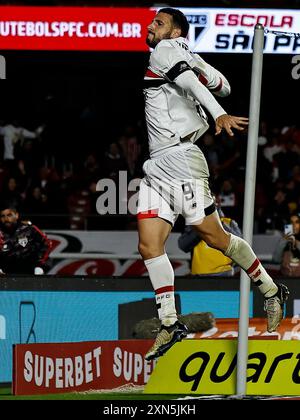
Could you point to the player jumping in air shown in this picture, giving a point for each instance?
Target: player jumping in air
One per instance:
(176, 86)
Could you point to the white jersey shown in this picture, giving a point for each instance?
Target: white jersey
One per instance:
(173, 111)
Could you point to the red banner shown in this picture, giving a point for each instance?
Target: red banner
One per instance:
(74, 28)
(66, 367)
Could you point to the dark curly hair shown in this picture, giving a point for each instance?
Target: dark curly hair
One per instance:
(179, 19)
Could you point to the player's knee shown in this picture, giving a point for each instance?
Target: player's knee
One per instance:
(149, 250)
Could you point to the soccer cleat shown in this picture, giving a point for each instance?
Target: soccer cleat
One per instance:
(166, 338)
(274, 307)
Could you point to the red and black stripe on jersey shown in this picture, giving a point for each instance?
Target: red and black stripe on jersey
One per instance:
(155, 80)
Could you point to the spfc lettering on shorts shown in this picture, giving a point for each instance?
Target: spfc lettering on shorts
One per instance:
(23, 241)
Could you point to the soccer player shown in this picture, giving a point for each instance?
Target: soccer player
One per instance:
(176, 86)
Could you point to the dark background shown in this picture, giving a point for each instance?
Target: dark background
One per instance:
(57, 85)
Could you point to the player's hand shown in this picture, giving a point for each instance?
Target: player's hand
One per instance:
(227, 122)
(2, 273)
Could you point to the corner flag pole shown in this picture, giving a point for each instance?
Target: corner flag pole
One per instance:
(250, 180)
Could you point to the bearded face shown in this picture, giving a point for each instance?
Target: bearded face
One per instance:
(162, 27)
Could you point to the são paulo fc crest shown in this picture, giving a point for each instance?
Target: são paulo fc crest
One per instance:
(198, 26)
(23, 241)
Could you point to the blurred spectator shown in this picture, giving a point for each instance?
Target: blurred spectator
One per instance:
(113, 162)
(291, 133)
(131, 150)
(275, 205)
(24, 249)
(279, 208)
(263, 133)
(30, 155)
(46, 186)
(227, 198)
(12, 134)
(273, 146)
(11, 193)
(292, 193)
(229, 155)
(264, 168)
(36, 202)
(287, 251)
(286, 159)
(91, 168)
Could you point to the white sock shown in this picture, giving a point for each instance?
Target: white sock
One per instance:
(242, 254)
(161, 274)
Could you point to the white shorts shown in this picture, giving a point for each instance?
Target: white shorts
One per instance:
(176, 183)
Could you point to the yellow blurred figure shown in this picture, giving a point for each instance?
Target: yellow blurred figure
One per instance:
(207, 261)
